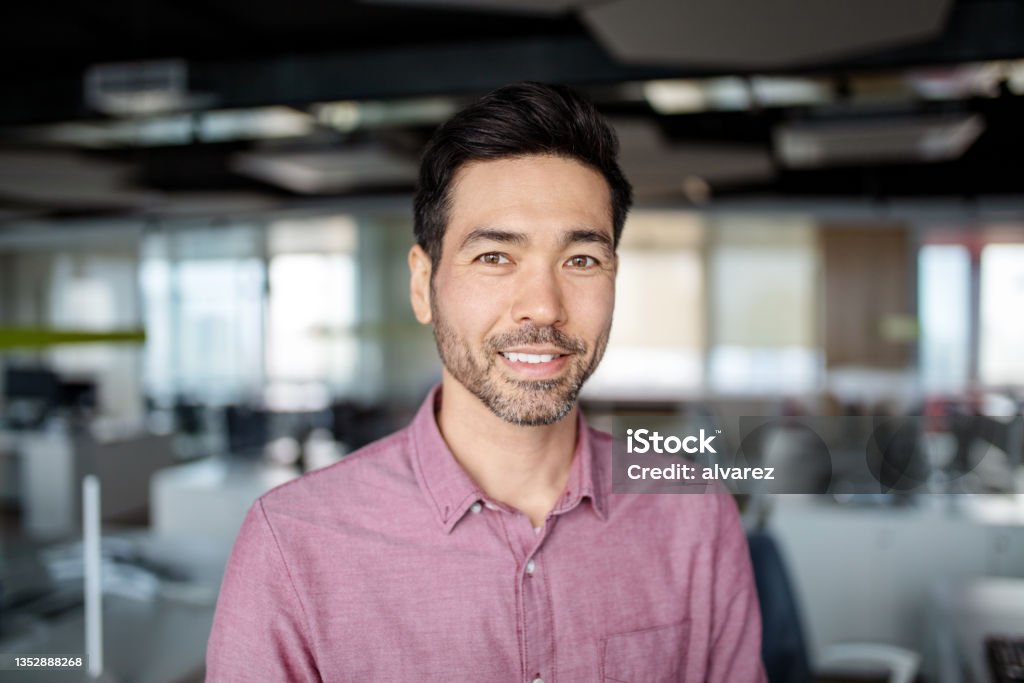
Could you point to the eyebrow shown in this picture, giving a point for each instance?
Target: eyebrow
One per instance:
(577, 236)
(583, 236)
(493, 235)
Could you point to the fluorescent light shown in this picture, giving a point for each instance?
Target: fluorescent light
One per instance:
(1015, 76)
(772, 91)
(676, 96)
(732, 93)
(254, 124)
(349, 115)
(327, 171)
(261, 123)
(141, 88)
(957, 82)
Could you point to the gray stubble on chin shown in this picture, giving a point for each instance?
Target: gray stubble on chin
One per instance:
(515, 405)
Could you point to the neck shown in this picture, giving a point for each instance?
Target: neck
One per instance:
(524, 467)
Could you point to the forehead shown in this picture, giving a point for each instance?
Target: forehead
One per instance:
(531, 194)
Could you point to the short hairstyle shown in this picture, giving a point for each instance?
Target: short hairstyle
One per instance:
(516, 120)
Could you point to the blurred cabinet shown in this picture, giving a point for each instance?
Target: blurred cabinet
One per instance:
(864, 574)
(868, 294)
(52, 464)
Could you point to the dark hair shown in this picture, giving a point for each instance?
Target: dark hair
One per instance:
(516, 120)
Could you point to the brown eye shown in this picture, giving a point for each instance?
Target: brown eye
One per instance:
(582, 262)
(493, 259)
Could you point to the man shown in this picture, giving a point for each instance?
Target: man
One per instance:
(482, 542)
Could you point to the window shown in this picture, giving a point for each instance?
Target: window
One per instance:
(944, 276)
(763, 276)
(1002, 324)
(203, 295)
(312, 349)
(312, 309)
(655, 348)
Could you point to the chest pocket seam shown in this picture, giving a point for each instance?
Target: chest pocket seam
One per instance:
(649, 655)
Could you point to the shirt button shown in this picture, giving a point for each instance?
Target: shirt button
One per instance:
(475, 508)
(538, 679)
(530, 566)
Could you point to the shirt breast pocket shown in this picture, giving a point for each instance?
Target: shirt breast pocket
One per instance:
(650, 655)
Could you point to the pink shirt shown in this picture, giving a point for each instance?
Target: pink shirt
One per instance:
(393, 565)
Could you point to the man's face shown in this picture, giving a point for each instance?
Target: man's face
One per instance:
(522, 298)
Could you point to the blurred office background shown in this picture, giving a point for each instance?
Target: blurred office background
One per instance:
(204, 215)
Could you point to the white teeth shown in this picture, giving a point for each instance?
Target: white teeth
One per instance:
(530, 357)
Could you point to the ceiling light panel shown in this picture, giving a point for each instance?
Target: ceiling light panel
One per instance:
(739, 33)
(892, 140)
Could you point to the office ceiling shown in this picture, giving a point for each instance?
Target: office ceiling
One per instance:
(154, 106)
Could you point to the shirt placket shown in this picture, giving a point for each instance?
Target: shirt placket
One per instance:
(535, 611)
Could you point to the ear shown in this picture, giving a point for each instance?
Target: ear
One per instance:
(419, 283)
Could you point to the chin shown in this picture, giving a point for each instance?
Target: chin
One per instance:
(515, 408)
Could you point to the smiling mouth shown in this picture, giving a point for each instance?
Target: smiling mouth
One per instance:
(534, 358)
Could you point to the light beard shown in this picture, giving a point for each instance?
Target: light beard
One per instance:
(527, 403)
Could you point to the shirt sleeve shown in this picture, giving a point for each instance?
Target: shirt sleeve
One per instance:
(260, 630)
(735, 655)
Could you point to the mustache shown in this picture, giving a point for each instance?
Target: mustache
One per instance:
(533, 335)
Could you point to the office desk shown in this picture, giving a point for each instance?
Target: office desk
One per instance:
(53, 462)
(965, 612)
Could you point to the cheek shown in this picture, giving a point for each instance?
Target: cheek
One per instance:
(469, 305)
(593, 306)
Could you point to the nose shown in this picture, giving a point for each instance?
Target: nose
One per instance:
(539, 299)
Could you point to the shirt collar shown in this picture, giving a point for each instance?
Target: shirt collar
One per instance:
(585, 474)
(451, 491)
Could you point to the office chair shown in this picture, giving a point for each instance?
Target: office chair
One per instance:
(989, 448)
(782, 642)
(248, 430)
(783, 646)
